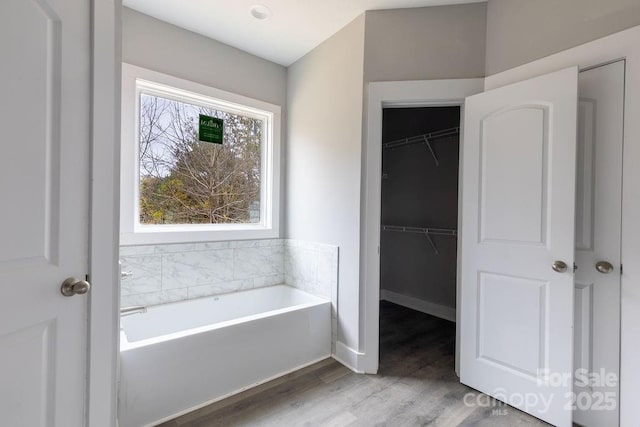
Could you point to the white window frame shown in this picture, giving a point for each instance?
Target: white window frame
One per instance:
(136, 80)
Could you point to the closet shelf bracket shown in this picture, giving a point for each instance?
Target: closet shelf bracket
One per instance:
(433, 153)
(433, 245)
(426, 138)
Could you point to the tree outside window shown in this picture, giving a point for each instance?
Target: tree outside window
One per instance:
(186, 181)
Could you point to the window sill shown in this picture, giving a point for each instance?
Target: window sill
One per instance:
(176, 235)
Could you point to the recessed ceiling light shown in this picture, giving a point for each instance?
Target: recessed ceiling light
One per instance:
(260, 12)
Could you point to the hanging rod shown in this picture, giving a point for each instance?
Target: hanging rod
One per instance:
(424, 138)
(426, 232)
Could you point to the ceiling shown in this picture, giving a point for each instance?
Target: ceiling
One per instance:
(294, 28)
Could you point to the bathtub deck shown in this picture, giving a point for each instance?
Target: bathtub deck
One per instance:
(416, 386)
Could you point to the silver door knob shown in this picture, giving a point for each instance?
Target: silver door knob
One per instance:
(73, 286)
(604, 267)
(559, 266)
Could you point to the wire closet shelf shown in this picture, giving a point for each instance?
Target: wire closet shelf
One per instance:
(424, 138)
(426, 232)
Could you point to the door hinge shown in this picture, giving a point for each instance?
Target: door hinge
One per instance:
(620, 268)
(575, 267)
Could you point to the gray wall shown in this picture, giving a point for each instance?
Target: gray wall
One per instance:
(324, 128)
(444, 42)
(520, 31)
(150, 43)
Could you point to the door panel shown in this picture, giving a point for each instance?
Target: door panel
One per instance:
(32, 347)
(520, 346)
(518, 210)
(523, 218)
(44, 175)
(598, 225)
(585, 181)
(583, 330)
(32, 120)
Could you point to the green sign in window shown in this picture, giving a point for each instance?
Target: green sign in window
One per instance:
(210, 129)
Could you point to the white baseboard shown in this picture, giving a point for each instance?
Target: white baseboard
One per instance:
(349, 357)
(437, 310)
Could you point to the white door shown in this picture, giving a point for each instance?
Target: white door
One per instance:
(518, 217)
(44, 175)
(598, 225)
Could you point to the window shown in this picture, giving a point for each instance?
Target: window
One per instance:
(183, 180)
(198, 164)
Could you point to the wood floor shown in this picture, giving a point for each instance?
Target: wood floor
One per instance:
(416, 386)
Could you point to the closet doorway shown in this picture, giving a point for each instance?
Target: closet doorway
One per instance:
(419, 208)
(422, 95)
(418, 230)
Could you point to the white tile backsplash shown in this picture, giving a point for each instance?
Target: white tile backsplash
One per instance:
(220, 288)
(196, 268)
(174, 272)
(312, 267)
(300, 265)
(276, 279)
(256, 262)
(145, 274)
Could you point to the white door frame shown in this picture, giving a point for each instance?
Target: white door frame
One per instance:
(381, 95)
(103, 351)
(622, 45)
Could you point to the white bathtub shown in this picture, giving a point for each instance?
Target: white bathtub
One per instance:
(181, 356)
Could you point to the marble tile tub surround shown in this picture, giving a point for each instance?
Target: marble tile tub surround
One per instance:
(313, 268)
(175, 272)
